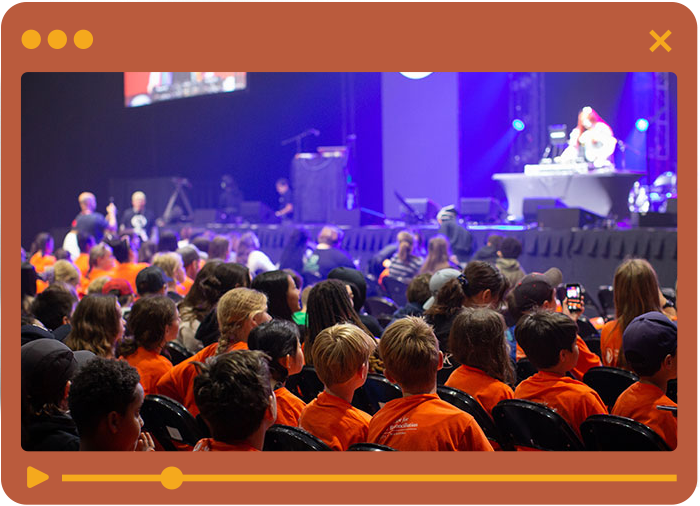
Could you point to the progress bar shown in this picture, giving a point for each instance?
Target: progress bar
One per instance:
(172, 478)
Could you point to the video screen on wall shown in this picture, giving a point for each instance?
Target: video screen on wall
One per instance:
(145, 88)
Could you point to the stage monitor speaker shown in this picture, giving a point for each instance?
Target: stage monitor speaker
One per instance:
(571, 217)
(204, 216)
(654, 220)
(483, 210)
(424, 208)
(672, 206)
(531, 206)
(346, 217)
(255, 211)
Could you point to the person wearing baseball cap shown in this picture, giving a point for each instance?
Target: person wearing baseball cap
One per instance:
(649, 344)
(48, 365)
(152, 281)
(121, 289)
(538, 291)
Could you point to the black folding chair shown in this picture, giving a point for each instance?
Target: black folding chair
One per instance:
(609, 382)
(523, 370)
(672, 390)
(448, 367)
(619, 434)
(370, 447)
(177, 352)
(466, 402)
(593, 344)
(376, 392)
(607, 301)
(282, 438)
(168, 421)
(529, 424)
(396, 290)
(380, 306)
(305, 384)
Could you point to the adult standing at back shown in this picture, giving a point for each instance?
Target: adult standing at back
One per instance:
(91, 222)
(138, 218)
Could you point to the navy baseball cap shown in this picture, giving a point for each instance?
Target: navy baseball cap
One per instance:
(648, 339)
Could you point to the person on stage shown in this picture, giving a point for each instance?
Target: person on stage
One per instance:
(285, 210)
(138, 218)
(592, 140)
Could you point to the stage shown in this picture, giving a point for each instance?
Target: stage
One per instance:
(589, 257)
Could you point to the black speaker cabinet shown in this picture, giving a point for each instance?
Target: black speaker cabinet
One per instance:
(483, 210)
(571, 217)
(532, 205)
(257, 212)
(654, 220)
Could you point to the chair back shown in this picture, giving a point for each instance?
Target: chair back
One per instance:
(376, 392)
(617, 433)
(466, 402)
(380, 306)
(585, 328)
(305, 384)
(396, 290)
(283, 438)
(370, 447)
(177, 352)
(593, 343)
(448, 367)
(532, 425)
(672, 390)
(607, 300)
(523, 370)
(609, 382)
(168, 421)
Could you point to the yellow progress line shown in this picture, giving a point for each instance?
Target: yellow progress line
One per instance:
(378, 477)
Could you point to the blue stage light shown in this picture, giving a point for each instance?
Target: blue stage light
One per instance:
(642, 124)
(415, 75)
(518, 125)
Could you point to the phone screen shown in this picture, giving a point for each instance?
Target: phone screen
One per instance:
(573, 297)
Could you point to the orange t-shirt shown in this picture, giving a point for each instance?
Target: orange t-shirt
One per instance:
(289, 407)
(639, 402)
(586, 358)
(611, 343)
(573, 400)
(128, 271)
(183, 288)
(83, 263)
(178, 382)
(425, 422)
(151, 365)
(335, 421)
(485, 389)
(41, 262)
(210, 445)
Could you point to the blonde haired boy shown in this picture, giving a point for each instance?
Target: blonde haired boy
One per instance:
(341, 358)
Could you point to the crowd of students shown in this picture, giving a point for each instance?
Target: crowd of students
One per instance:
(95, 329)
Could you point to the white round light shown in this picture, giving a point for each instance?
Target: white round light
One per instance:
(415, 75)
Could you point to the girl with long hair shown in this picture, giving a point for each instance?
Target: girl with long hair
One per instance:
(282, 293)
(96, 325)
(404, 264)
(438, 256)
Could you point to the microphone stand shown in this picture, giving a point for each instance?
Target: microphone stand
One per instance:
(299, 137)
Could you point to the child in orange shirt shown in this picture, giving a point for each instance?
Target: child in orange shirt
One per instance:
(279, 339)
(549, 340)
(105, 401)
(40, 255)
(420, 420)
(477, 341)
(341, 358)
(153, 321)
(238, 312)
(538, 291)
(649, 344)
(234, 396)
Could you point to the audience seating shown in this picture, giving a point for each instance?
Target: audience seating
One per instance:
(448, 367)
(672, 390)
(396, 290)
(168, 421)
(617, 433)
(586, 329)
(466, 402)
(376, 392)
(177, 352)
(282, 438)
(370, 447)
(306, 384)
(523, 370)
(593, 344)
(607, 301)
(528, 424)
(609, 382)
(380, 306)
